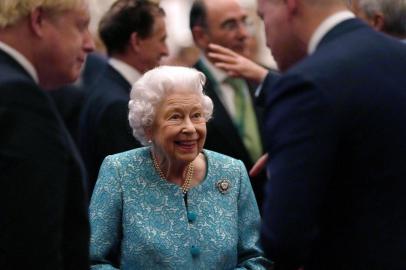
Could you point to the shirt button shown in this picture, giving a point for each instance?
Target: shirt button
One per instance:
(195, 251)
(191, 216)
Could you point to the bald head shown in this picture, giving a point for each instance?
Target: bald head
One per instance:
(221, 22)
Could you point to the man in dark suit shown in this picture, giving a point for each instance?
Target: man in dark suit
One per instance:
(223, 23)
(134, 34)
(43, 208)
(335, 129)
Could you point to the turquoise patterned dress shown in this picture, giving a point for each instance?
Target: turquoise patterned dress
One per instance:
(140, 221)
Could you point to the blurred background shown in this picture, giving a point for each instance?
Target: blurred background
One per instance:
(181, 48)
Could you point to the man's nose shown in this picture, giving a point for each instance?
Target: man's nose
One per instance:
(242, 30)
(88, 42)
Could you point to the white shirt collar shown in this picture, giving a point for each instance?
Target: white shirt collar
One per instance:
(21, 59)
(128, 72)
(328, 24)
(217, 73)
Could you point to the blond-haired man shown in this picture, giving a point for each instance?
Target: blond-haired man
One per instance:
(43, 223)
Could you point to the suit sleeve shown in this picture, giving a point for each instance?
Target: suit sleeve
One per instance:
(76, 223)
(250, 255)
(105, 218)
(301, 140)
(262, 90)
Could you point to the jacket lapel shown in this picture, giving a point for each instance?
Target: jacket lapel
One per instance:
(221, 122)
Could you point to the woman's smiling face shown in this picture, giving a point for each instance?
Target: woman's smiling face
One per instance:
(179, 129)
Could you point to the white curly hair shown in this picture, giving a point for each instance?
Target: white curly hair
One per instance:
(147, 93)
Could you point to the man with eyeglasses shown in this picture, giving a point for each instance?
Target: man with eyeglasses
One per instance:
(234, 129)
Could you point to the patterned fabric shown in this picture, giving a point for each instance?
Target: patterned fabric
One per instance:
(139, 221)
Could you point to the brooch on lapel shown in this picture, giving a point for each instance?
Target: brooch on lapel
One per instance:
(223, 186)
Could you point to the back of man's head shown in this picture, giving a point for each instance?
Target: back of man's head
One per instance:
(124, 18)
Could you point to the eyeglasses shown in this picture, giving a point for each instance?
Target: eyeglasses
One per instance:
(233, 24)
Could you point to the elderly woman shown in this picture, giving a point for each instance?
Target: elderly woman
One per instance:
(173, 205)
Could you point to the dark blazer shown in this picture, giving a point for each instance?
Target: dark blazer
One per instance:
(104, 127)
(69, 99)
(265, 87)
(43, 210)
(223, 136)
(336, 133)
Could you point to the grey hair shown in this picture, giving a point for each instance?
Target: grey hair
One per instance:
(394, 12)
(152, 88)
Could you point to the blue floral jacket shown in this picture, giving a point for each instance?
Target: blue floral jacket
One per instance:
(140, 221)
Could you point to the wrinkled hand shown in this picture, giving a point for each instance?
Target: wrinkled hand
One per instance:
(259, 165)
(235, 64)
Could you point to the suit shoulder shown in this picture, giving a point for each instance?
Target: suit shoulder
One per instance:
(9, 77)
(107, 90)
(16, 92)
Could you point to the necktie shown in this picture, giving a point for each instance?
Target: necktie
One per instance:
(245, 118)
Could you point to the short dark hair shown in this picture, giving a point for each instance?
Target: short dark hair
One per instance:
(198, 15)
(124, 18)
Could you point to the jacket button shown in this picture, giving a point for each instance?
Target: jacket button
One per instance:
(195, 251)
(191, 216)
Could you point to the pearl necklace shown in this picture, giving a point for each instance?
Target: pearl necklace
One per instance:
(189, 174)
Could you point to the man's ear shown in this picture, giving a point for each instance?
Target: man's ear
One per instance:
(378, 21)
(135, 42)
(200, 37)
(36, 21)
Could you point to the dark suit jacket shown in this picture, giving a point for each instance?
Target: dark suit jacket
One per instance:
(43, 211)
(104, 127)
(69, 99)
(223, 136)
(266, 86)
(336, 134)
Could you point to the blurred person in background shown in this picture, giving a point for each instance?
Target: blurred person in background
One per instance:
(235, 128)
(43, 207)
(69, 98)
(134, 34)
